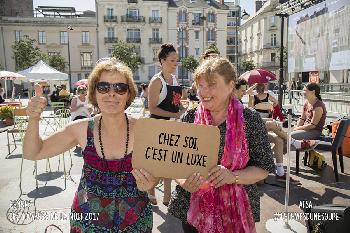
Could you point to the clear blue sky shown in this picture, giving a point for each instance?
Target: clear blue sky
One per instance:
(81, 5)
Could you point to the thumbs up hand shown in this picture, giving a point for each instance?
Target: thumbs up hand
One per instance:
(36, 104)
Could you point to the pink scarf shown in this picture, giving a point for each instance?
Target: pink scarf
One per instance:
(224, 209)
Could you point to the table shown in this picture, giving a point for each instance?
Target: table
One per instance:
(12, 104)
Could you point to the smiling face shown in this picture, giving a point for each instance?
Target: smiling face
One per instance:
(111, 102)
(170, 62)
(215, 96)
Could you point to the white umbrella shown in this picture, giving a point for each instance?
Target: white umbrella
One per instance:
(8, 75)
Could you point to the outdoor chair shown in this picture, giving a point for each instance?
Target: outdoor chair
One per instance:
(20, 125)
(332, 146)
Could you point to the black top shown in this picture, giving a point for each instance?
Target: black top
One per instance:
(260, 156)
(258, 101)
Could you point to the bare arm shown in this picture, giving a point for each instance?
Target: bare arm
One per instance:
(251, 101)
(273, 100)
(317, 114)
(74, 107)
(153, 96)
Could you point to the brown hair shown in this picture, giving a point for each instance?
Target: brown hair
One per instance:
(260, 88)
(164, 51)
(207, 54)
(314, 87)
(111, 65)
(212, 66)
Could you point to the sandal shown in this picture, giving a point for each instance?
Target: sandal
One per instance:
(152, 199)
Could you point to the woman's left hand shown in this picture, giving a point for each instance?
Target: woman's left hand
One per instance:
(145, 180)
(220, 175)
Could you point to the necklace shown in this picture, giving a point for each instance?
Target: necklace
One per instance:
(100, 137)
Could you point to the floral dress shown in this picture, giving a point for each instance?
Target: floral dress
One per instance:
(107, 199)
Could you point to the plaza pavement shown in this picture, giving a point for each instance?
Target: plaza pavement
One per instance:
(54, 199)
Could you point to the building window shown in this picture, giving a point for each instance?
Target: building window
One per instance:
(151, 71)
(133, 33)
(110, 52)
(41, 37)
(64, 37)
(182, 16)
(196, 18)
(133, 12)
(196, 35)
(273, 20)
(137, 50)
(79, 76)
(273, 39)
(86, 59)
(85, 37)
(110, 32)
(197, 51)
(211, 17)
(273, 57)
(155, 33)
(232, 14)
(137, 75)
(211, 35)
(18, 35)
(155, 54)
(155, 14)
(110, 12)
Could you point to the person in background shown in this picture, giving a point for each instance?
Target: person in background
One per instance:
(241, 87)
(109, 187)
(2, 92)
(229, 200)
(192, 93)
(164, 95)
(209, 53)
(264, 98)
(144, 95)
(79, 107)
(63, 92)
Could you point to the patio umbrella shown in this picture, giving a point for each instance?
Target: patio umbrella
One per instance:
(81, 82)
(258, 76)
(8, 75)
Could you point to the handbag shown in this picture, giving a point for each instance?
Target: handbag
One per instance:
(329, 218)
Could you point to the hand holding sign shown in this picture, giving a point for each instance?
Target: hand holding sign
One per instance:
(36, 104)
(144, 180)
(192, 183)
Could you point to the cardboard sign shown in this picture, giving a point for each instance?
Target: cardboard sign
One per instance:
(173, 149)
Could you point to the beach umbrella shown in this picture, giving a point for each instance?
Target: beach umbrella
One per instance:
(8, 75)
(258, 76)
(83, 82)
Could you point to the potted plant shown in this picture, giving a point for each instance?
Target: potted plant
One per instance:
(6, 115)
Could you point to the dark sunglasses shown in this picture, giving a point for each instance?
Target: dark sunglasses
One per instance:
(105, 87)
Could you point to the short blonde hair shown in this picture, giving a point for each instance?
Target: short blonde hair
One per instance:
(208, 68)
(110, 65)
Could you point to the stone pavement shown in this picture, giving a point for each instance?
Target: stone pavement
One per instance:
(53, 198)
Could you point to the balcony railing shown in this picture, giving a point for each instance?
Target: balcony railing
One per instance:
(155, 19)
(108, 18)
(271, 46)
(132, 1)
(86, 67)
(197, 22)
(155, 40)
(231, 51)
(129, 18)
(133, 40)
(273, 27)
(111, 40)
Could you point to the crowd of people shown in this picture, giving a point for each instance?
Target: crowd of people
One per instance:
(228, 201)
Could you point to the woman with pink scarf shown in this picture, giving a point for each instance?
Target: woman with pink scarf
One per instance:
(228, 202)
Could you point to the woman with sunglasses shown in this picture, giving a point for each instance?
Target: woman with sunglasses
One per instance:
(79, 107)
(111, 196)
(164, 98)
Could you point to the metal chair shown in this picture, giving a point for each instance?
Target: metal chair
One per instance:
(332, 146)
(20, 125)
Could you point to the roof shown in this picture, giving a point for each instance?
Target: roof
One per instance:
(198, 4)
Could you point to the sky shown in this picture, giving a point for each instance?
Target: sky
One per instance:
(82, 5)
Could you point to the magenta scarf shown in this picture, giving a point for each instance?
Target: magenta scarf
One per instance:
(227, 208)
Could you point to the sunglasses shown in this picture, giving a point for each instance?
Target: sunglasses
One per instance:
(105, 87)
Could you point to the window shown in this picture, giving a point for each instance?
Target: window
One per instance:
(232, 14)
(41, 37)
(211, 17)
(110, 12)
(196, 35)
(64, 37)
(155, 54)
(155, 14)
(211, 35)
(79, 76)
(86, 59)
(182, 51)
(273, 57)
(151, 71)
(273, 39)
(110, 51)
(196, 17)
(155, 33)
(18, 35)
(273, 20)
(110, 32)
(197, 51)
(137, 75)
(133, 33)
(133, 12)
(182, 16)
(137, 50)
(85, 37)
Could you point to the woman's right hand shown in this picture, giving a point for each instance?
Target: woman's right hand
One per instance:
(36, 104)
(192, 183)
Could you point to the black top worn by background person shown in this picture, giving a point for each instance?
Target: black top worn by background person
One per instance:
(258, 101)
(172, 101)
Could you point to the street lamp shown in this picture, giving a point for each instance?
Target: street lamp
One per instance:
(281, 79)
(244, 16)
(69, 28)
(181, 28)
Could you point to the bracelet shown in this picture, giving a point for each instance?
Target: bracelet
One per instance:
(236, 178)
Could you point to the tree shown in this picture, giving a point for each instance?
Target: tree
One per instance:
(190, 63)
(25, 53)
(57, 61)
(213, 47)
(248, 65)
(125, 53)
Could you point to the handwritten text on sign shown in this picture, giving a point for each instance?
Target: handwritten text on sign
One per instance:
(173, 149)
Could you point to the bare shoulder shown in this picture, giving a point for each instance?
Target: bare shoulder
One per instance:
(78, 126)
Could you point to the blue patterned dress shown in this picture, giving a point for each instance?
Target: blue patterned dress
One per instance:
(107, 199)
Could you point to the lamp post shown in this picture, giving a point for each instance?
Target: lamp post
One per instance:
(281, 79)
(181, 29)
(69, 28)
(244, 16)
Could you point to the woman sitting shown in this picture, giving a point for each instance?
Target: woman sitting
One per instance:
(80, 108)
(261, 101)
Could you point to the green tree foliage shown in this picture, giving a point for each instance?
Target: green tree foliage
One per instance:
(190, 63)
(213, 47)
(26, 54)
(125, 53)
(57, 61)
(248, 65)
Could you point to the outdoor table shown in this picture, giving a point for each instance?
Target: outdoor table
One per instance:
(12, 104)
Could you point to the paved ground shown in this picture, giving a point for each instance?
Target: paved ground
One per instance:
(53, 198)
